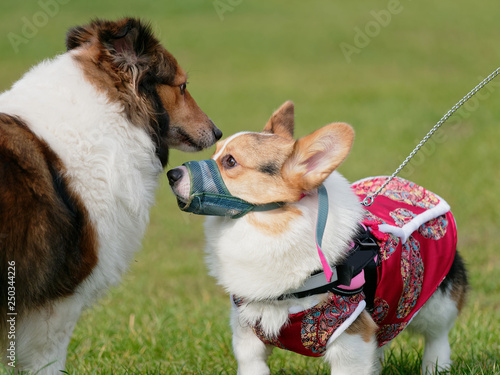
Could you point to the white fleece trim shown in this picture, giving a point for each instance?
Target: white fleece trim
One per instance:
(406, 230)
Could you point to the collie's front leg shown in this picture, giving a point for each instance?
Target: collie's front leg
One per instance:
(42, 337)
(355, 350)
(251, 353)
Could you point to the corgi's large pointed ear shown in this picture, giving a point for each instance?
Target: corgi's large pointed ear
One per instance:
(317, 155)
(282, 121)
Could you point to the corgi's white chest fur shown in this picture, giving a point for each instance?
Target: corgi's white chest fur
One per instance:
(258, 266)
(258, 259)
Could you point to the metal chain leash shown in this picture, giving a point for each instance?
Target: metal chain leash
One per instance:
(369, 199)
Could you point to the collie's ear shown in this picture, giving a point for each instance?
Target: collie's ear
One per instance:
(78, 36)
(317, 155)
(126, 40)
(282, 121)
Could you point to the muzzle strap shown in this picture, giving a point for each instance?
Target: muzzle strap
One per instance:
(209, 195)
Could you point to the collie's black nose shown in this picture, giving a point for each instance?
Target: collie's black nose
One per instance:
(217, 133)
(174, 175)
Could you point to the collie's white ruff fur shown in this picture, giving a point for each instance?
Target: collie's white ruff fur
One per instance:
(112, 166)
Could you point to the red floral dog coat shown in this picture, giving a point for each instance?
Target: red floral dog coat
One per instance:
(417, 236)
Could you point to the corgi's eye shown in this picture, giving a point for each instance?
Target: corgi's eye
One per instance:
(229, 162)
(183, 88)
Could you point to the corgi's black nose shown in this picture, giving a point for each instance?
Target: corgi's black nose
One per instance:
(174, 175)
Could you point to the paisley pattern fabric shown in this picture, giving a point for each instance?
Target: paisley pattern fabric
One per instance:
(416, 233)
(434, 229)
(318, 323)
(380, 309)
(390, 246)
(398, 190)
(401, 216)
(412, 274)
(389, 331)
(308, 332)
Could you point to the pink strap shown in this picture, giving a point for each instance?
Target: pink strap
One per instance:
(326, 267)
(320, 228)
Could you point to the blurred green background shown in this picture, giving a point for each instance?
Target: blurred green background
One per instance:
(389, 68)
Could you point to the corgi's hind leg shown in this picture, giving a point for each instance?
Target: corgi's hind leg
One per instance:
(355, 350)
(437, 316)
(435, 321)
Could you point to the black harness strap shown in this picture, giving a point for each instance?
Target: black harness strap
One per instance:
(360, 257)
(370, 286)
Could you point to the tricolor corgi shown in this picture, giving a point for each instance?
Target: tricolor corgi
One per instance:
(308, 268)
(83, 140)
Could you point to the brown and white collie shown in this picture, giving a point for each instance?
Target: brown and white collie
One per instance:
(84, 138)
(311, 270)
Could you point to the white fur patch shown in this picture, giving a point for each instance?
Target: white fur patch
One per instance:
(256, 266)
(182, 187)
(110, 162)
(227, 141)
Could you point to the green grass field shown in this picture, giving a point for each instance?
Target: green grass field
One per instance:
(407, 63)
